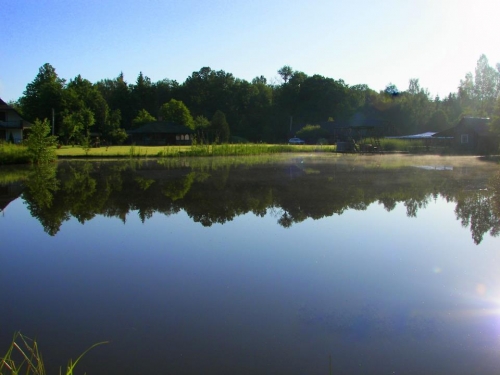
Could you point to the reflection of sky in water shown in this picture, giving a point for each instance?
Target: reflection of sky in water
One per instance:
(378, 291)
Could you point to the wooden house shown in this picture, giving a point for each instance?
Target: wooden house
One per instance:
(472, 135)
(12, 124)
(159, 133)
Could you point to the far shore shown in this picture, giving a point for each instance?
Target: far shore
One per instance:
(15, 154)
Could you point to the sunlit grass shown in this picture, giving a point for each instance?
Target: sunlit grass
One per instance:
(194, 150)
(23, 357)
(13, 154)
(119, 151)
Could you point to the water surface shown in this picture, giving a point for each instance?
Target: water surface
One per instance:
(381, 264)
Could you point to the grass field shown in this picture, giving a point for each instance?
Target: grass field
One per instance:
(16, 154)
(195, 150)
(13, 154)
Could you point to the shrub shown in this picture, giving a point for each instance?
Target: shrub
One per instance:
(41, 145)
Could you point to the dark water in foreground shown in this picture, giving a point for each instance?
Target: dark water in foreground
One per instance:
(246, 266)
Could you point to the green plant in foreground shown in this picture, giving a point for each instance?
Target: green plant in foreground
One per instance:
(23, 356)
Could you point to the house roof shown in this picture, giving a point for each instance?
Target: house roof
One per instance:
(426, 135)
(477, 125)
(13, 124)
(4, 106)
(161, 127)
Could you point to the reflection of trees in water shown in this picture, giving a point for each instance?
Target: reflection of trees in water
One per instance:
(477, 209)
(212, 194)
(41, 186)
(414, 204)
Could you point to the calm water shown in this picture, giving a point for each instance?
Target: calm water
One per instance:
(249, 266)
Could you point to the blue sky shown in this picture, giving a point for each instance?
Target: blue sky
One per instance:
(359, 41)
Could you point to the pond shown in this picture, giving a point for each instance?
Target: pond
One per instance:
(303, 264)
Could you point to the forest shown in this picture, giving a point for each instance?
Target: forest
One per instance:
(256, 111)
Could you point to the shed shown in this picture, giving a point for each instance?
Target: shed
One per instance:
(472, 135)
(12, 124)
(158, 133)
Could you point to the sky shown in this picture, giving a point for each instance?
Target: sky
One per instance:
(359, 41)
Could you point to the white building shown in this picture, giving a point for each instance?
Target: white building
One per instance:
(12, 124)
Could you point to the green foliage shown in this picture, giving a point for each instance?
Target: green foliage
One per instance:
(403, 145)
(112, 132)
(76, 125)
(257, 110)
(86, 144)
(220, 126)
(142, 118)
(438, 121)
(118, 136)
(41, 187)
(23, 357)
(478, 93)
(495, 121)
(285, 73)
(13, 154)
(312, 133)
(82, 96)
(176, 111)
(118, 94)
(43, 94)
(340, 183)
(201, 122)
(40, 144)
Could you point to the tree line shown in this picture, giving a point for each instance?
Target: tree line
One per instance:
(256, 111)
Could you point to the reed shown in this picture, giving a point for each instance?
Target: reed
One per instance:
(23, 357)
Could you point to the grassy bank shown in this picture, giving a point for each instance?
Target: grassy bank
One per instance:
(16, 154)
(13, 154)
(195, 150)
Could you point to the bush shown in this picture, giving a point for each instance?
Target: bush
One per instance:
(41, 145)
(311, 133)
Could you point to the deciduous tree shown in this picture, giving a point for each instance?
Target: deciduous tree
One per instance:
(220, 126)
(142, 118)
(176, 111)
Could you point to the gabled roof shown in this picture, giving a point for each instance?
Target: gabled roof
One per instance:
(22, 124)
(161, 127)
(426, 135)
(477, 125)
(4, 106)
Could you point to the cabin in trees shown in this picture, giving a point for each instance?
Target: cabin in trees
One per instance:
(472, 135)
(159, 133)
(12, 125)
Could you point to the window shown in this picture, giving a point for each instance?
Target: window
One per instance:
(3, 116)
(464, 138)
